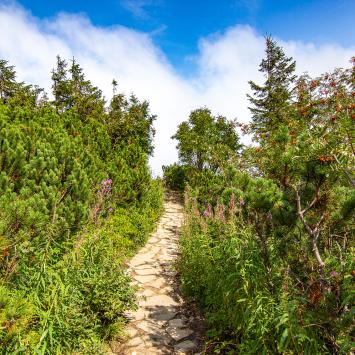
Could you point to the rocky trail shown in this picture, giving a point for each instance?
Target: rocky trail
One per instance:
(162, 324)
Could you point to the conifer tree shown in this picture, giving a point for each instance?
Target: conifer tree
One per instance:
(7, 80)
(60, 86)
(72, 91)
(58, 167)
(130, 121)
(87, 98)
(16, 94)
(273, 113)
(271, 101)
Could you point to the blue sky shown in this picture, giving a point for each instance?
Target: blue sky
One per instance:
(177, 25)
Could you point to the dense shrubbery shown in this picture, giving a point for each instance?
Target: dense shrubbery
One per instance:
(176, 176)
(76, 199)
(267, 249)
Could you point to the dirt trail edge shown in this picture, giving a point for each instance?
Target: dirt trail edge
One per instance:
(160, 325)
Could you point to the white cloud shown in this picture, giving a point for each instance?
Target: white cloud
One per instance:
(137, 7)
(225, 62)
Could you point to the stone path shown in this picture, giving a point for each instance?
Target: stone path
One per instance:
(159, 326)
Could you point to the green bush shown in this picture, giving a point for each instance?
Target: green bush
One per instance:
(76, 200)
(176, 176)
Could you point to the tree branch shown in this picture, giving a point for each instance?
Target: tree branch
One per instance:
(64, 193)
(313, 233)
(316, 198)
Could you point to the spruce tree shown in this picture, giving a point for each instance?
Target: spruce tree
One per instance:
(60, 86)
(271, 101)
(273, 113)
(88, 100)
(72, 91)
(7, 80)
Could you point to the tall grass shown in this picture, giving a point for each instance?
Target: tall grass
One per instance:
(253, 307)
(77, 302)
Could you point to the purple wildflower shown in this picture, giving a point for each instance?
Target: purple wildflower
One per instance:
(106, 182)
(105, 187)
(220, 212)
(232, 203)
(333, 273)
(241, 201)
(208, 211)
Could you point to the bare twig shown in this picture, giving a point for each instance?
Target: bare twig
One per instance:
(315, 232)
(64, 193)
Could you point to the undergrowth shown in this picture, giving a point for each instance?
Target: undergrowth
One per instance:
(257, 308)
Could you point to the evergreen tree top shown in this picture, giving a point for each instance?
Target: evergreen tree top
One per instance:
(271, 99)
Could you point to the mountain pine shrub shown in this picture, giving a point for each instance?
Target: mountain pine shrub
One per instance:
(75, 203)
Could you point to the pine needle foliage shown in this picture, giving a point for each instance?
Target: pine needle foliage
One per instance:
(75, 202)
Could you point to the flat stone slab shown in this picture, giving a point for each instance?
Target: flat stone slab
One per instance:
(131, 332)
(141, 259)
(154, 249)
(178, 333)
(159, 301)
(134, 342)
(149, 327)
(162, 315)
(148, 271)
(142, 267)
(158, 283)
(184, 346)
(145, 278)
(157, 339)
(166, 290)
(153, 240)
(143, 350)
(145, 293)
(136, 262)
(178, 323)
(138, 315)
(166, 257)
